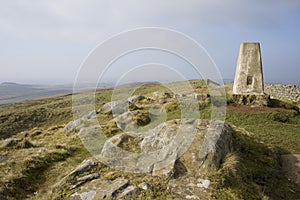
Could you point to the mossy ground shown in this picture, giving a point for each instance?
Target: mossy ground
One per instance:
(252, 171)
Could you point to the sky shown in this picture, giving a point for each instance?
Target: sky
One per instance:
(47, 41)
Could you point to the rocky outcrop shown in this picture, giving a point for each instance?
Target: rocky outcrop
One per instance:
(180, 150)
(161, 147)
(79, 123)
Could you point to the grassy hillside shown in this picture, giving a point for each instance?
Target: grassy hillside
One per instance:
(31, 168)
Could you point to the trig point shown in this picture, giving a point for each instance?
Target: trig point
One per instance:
(248, 75)
(248, 86)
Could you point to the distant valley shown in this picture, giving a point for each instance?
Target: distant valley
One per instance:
(14, 92)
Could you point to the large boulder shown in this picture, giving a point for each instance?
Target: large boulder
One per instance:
(162, 146)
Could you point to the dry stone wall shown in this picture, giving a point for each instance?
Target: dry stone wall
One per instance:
(284, 92)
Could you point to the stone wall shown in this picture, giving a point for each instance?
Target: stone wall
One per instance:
(284, 92)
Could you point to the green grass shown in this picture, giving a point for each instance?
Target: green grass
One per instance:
(252, 171)
(277, 129)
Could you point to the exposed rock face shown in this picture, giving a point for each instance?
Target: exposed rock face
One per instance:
(179, 150)
(283, 92)
(216, 145)
(208, 148)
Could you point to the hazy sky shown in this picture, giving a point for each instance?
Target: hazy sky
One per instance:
(46, 41)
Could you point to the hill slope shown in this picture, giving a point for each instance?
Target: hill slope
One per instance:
(37, 156)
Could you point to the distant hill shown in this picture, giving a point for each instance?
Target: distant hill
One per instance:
(13, 92)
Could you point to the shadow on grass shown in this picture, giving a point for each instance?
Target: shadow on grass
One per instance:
(253, 171)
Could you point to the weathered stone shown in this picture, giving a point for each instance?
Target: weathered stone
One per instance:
(143, 186)
(136, 98)
(111, 189)
(100, 189)
(85, 166)
(129, 193)
(248, 76)
(204, 183)
(89, 115)
(187, 187)
(85, 179)
(165, 167)
(83, 196)
(125, 121)
(131, 120)
(159, 137)
(115, 107)
(217, 143)
(200, 96)
(162, 95)
(72, 125)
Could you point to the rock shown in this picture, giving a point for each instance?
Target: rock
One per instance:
(216, 145)
(115, 107)
(85, 166)
(200, 97)
(204, 183)
(185, 187)
(192, 197)
(79, 123)
(129, 193)
(159, 137)
(85, 179)
(83, 196)
(41, 150)
(131, 120)
(88, 130)
(125, 121)
(162, 95)
(90, 115)
(72, 125)
(165, 167)
(136, 98)
(100, 189)
(143, 186)
(112, 189)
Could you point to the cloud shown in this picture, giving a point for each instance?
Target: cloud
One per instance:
(89, 20)
(62, 32)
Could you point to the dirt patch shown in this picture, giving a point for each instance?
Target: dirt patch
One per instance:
(291, 167)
